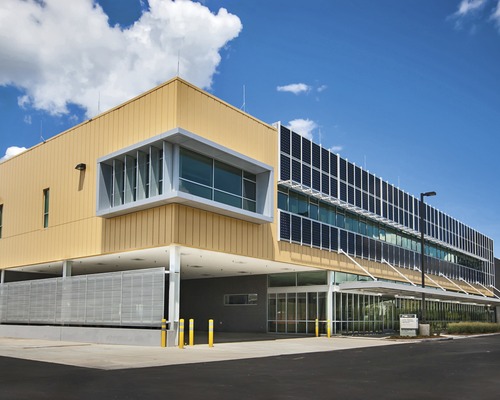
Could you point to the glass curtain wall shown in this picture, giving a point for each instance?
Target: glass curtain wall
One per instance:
(296, 300)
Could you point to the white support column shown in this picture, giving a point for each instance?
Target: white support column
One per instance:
(2, 277)
(329, 298)
(174, 278)
(67, 268)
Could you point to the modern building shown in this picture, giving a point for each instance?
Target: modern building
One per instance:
(176, 204)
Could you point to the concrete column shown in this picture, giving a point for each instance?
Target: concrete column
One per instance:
(174, 289)
(329, 298)
(66, 292)
(67, 268)
(2, 276)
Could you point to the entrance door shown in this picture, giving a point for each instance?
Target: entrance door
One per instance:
(296, 312)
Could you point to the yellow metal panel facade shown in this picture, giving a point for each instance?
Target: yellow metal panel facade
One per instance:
(74, 230)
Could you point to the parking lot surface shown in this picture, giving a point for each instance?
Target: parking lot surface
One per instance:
(466, 368)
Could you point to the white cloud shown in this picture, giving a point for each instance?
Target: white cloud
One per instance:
(336, 149)
(322, 88)
(496, 14)
(470, 10)
(11, 152)
(62, 52)
(304, 127)
(27, 119)
(467, 6)
(295, 88)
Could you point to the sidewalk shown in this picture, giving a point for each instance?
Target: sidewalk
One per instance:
(110, 357)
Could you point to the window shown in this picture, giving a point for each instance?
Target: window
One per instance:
(160, 171)
(282, 201)
(1, 218)
(46, 197)
(240, 299)
(214, 180)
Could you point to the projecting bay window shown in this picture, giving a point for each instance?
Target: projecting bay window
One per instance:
(46, 199)
(181, 167)
(131, 177)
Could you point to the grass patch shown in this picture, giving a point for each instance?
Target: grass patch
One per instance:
(463, 328)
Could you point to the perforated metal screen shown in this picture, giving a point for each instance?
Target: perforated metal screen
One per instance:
(128, 298)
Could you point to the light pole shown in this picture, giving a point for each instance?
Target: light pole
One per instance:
(422, 248)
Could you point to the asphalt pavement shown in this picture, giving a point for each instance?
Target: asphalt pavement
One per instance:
(467, 368)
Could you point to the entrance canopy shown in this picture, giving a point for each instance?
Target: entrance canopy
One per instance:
(403, 290)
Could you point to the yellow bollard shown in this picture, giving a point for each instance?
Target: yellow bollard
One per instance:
(163, 332)
(191, 332)
(210, 333)
(181, 333)
(328, 329)
(316, 326)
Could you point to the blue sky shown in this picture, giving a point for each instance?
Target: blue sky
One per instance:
(410, 90)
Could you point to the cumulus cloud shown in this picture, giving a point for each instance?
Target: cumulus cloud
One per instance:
(11, 152)
(295, 88)
(61, 52)
(304, 127)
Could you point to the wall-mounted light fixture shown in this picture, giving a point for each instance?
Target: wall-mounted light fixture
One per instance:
(81, 167)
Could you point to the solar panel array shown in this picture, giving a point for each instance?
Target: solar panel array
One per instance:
(306, 164)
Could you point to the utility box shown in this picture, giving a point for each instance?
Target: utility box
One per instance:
(408, 324)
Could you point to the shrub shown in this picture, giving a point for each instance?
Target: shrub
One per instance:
(472, 327)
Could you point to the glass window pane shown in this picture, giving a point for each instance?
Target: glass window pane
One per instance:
(196, 167)
(249, 189)
(293, 203)
(282, 201)
(312, 306)
(313, 211)
(227, 178)
(228, 199)
(250, 205)
(311, 278)
(280, 280)
(195, 189)
(340, 221)
(271, 309)
(301, 306)
(323, 213)
(249, 176)
(303, 205)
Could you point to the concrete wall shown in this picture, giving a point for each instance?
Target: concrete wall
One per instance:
(135, 337)
(203, 299)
